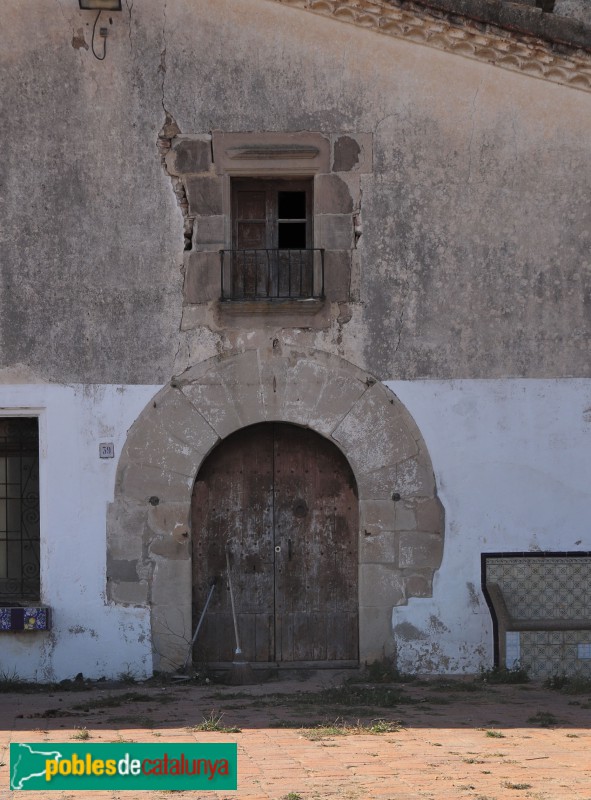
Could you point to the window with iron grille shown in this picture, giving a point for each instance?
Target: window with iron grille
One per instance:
(272, 255)
(19, 509)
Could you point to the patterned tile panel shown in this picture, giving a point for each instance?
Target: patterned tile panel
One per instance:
(552, 587)
(564, 654)
(35, 618)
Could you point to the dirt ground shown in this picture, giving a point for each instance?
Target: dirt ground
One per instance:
(327, 737)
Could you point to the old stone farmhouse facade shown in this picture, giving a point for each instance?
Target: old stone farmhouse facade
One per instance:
(302, 286)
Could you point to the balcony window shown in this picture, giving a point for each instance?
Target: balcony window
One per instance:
(272, 255)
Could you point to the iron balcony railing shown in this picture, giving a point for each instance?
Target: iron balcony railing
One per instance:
(272, 274)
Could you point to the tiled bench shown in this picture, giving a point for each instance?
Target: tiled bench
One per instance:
(540, 603)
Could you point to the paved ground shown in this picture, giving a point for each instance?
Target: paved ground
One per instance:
(317, 739)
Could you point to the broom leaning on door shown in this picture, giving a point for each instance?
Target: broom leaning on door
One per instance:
(241, 672)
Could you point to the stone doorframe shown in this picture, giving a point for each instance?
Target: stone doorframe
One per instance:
(149, 526)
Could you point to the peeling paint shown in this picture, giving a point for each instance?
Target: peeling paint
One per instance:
(79, 40)
(408, 632)
(474, 597)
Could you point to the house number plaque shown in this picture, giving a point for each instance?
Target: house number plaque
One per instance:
(106, 450)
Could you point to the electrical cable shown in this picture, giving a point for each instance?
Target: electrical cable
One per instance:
(94, 53)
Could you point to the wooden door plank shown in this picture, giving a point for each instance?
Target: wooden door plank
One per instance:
(232, 505)
(316, 531)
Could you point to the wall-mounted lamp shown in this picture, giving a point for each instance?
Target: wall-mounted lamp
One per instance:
(100, 5)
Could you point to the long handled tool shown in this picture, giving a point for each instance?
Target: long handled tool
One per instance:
(241, 671)
(200, 623)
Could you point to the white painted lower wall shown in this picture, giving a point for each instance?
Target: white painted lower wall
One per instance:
(88, 635)
(512, 460)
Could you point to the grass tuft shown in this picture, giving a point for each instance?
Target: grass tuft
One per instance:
(213, 722)
(10, 682)
(544, 719)
(497, 675)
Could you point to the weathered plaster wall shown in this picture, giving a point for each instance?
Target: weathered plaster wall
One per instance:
(512, 463)
(89, 635)
(575, 9)
(90, 231)
(474, 256)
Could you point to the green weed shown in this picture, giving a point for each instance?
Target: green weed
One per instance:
(127, 677)
(383, 726)
(497, 675)
(213, 722)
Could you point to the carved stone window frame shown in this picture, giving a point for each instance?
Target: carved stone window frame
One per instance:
(205, 165)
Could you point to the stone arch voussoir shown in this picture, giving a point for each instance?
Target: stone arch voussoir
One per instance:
(401, 518)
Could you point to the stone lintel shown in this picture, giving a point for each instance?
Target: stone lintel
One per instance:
(271, 153)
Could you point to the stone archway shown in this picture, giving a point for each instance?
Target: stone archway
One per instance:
(400, 516)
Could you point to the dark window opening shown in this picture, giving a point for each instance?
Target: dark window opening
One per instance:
(292, 205)
(291, 220)
(291, 235)
(19, 509)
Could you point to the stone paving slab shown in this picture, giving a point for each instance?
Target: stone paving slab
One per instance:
(489, 744)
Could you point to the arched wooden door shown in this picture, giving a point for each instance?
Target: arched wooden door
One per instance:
(284, 500)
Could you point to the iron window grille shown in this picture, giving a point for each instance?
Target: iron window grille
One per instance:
(19, 509)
